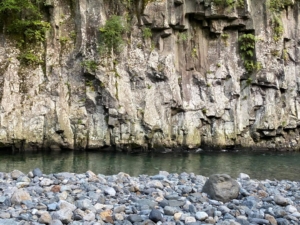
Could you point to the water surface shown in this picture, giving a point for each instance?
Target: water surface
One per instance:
(259, 165)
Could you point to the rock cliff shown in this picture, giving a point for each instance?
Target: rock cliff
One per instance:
(186, 73)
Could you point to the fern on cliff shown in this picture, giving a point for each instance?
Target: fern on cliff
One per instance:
(247, 50)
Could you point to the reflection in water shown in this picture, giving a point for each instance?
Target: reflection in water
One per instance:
(259, 165)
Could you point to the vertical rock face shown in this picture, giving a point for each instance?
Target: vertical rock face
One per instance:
(183, 77)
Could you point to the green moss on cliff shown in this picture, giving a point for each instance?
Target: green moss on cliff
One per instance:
(279, 5)
(277, 28)
(224, 3)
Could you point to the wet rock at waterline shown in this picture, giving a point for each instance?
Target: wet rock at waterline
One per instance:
(77, 199)
(221, 187)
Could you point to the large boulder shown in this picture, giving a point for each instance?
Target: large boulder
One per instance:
(221, 187)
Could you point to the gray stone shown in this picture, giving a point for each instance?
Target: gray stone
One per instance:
(23, 178)
(84, 204)
(296, 214)
(134, 218)
(15, 174)
(25, 216)
(45, 218)
(37, 172)
(29, 204)
(176, 203)
(19, 196)
(224, 209)
(282, 221)
(118, 216)
(46, 182)
(280, 200)
(291, 209)
(192, 209)
(5, 201)
(169, 210)
(155, 184)
(158, 177)
(4, 215)
(221, 187)
(119, 209)
(155, 215)
(201, 216)
(173, 196)
(228, 216)
(244, 176)
(147, 202)
(56, 222)
(110, 191)
(189, 219)
(8, 222)
(259, 221)
(52, 206)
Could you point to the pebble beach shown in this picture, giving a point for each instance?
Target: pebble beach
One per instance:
(166, 198)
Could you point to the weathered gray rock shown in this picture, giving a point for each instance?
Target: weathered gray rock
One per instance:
(291, 209)
(282, 221)
(8, 222)
(110, 191)
(4, 215)
(65, 213)
(119, 209)
(19, 196)
(168, 210)
(56, 222)
(15, 174)
(84, 204)
(134, 218)
(46, 182)
(45, 218)
(244, 176)
(189, 219)
(155, 215)
(280, 200)
(201, 216)
(37, 172)
(221, 187)
(209, 97)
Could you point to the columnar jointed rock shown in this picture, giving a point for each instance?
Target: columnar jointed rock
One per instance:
(221, 187)
(181, 78)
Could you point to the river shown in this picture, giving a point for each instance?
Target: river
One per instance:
(259, 165)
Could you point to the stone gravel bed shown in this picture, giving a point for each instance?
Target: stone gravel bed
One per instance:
(74, 199)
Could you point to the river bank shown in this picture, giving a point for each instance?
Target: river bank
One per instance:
(87, 198)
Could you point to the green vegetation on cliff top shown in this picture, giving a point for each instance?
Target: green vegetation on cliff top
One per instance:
(279, 5)
(23, 18)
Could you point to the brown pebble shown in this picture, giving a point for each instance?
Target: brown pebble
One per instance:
(55, 188)
(106, 216)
